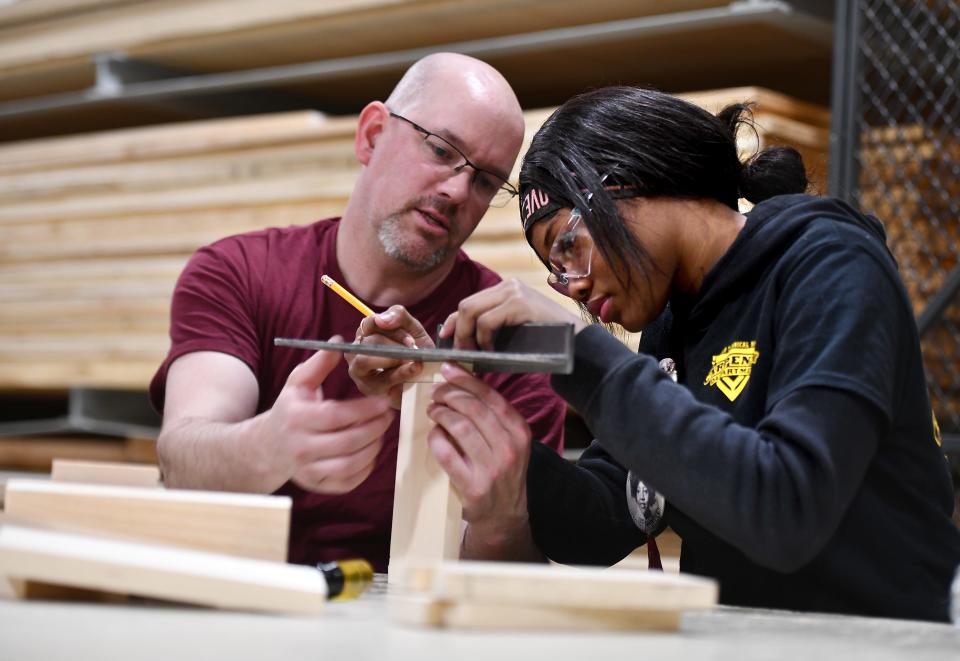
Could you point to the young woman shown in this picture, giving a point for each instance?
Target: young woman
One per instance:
(796, 454)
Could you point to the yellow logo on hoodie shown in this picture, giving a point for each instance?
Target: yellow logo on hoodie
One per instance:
(731, 368)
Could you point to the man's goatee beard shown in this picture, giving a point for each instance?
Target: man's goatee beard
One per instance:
(391, 238)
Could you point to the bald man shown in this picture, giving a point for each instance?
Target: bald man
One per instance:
(242, 415)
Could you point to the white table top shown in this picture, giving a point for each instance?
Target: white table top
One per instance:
(360, 630)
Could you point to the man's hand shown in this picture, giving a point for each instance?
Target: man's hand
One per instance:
(508, 303)
(483, 444)
(325, 446)
(375, 375)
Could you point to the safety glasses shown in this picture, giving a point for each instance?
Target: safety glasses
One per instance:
(571, 253)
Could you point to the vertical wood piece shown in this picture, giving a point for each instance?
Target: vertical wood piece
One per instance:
(104, 472)
(426, 510)
(160, 572)
(247, 525)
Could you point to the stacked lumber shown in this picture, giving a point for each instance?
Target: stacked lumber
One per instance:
(38, 454)
(780, 120)
(15, 12)
(502, 595)
(105, 472)
(97, 227)
(908, 181)
(48, 45)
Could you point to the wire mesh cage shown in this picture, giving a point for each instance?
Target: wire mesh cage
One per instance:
(896, 154)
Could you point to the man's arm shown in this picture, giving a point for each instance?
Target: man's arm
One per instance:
(209, 429)
(211, 438)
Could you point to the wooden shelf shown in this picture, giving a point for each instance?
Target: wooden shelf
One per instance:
(355, 50)
(220, 35)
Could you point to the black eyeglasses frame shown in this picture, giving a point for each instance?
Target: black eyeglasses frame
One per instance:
(505, 186)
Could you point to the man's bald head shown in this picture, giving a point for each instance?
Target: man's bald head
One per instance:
(440, 77)
(413, 191)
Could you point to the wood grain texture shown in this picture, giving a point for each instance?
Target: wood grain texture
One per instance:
(22, 11)
(204, 34)
(160, 572)
(529, 584)
(426, 510)
(518, 596)
(415, 610)
(103, 472)
(185, 138)
(36, 453)
(764, 100)
(247, 525)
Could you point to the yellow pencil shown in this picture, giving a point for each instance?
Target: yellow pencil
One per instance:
(345, 295)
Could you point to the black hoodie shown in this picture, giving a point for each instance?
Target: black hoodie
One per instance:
(798, 453)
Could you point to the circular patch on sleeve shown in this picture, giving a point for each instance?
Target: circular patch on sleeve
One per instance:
(646, 505)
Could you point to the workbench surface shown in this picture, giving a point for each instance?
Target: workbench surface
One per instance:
(360, 630)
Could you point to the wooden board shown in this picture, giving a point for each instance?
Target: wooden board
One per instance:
(154, 234)
(103, 472)
(765, 100)
(431, 612)
(247, 525)
(177, 139)
(22, 11)
(528, 584)
(36, 453)
(40, 373)
(28, 589)
(159, 572)
(426, 510)
(324, 157)
(518, 596)
(209, 30)
(279, 190)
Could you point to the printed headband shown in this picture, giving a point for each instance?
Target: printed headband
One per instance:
(535, 204)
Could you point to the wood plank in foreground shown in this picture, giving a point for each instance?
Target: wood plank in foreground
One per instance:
(248, 525)
(183, 575)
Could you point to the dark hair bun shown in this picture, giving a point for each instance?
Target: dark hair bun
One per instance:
(774, 171)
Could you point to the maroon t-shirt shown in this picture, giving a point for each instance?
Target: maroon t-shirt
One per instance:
(239, 293)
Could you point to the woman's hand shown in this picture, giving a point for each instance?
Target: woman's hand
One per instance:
(508, 303)
(483, 444)
(376, 375)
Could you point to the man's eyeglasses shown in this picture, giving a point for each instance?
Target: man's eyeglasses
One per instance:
(442, 154)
